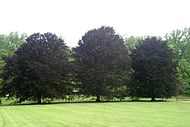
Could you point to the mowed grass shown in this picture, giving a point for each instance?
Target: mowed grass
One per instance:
(112, 114)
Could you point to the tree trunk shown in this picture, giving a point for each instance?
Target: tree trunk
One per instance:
(153, 99)
(39, 100)
(97, 98)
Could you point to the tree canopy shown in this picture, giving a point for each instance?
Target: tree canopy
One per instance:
(102, 63)
(39, 69)
(154, 70)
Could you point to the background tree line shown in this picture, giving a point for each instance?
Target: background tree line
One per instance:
(103, 64)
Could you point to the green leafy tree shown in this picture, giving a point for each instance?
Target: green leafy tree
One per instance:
(9, 43)
(184, 75)
(102, 63)
(179, 41)
(131, 41)
(154, 70)
(39, 69)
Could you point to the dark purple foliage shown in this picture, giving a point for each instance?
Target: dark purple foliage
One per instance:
(154, 70)
(102, 63)
(39, 69)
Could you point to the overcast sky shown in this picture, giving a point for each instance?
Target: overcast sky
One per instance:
(73, 18)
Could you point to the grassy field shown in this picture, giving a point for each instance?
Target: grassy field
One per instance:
(112, 114)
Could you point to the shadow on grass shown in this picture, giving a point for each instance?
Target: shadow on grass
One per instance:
(79, 102)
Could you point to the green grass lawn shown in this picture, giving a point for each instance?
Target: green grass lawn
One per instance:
(112, 114)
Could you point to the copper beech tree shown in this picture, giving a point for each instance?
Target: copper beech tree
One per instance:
(102, 63)
(39, 69)
(154, 68)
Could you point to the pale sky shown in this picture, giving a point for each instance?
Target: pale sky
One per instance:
(73, 18)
